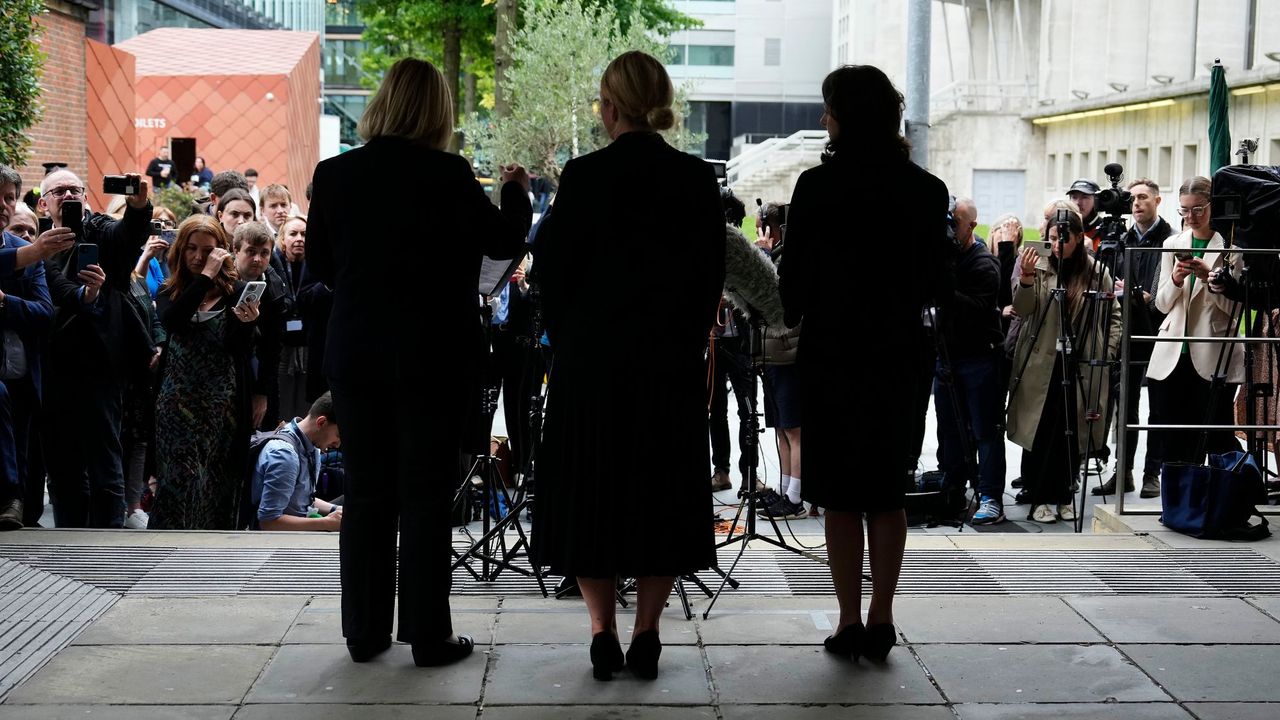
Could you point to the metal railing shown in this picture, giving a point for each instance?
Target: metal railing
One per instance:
(1122, 426)
(773, 153)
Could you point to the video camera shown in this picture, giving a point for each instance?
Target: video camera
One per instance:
(1113, 203)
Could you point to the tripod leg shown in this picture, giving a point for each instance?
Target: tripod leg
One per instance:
(684, 598)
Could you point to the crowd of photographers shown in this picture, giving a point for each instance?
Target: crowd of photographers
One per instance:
(160, 373)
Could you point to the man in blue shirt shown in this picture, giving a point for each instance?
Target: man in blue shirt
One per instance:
(284, 478)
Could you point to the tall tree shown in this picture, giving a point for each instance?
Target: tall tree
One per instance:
(558, 56)
(20, 63)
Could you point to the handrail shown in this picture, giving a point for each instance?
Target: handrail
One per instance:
(757, 155)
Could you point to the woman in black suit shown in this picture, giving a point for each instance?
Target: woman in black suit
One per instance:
(608, 389)
(403, 353)
(867, 170)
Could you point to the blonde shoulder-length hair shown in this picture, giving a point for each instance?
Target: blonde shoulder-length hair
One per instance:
(413, 103)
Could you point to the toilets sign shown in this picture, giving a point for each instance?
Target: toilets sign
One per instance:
(154, 123)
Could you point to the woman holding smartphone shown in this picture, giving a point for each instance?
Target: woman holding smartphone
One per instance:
(1179, 372)
(1039, 415)
(203, 410)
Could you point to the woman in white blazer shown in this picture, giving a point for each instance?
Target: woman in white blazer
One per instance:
(1180, 373)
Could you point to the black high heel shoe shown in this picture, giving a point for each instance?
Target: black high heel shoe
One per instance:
(606, 655)
(848, 642)
(642, 656)
(878, 641)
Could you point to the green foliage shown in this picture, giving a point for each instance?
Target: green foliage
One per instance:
(395, 29)
(182, 203)
(20, 63)
(558, 56)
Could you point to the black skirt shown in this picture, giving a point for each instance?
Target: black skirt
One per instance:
(596, 473)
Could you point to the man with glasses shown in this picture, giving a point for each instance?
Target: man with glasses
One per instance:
(25, 315)
(97, 343)
(1149, 230)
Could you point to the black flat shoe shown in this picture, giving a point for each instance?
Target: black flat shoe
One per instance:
(606, 655)
(878, 641)
(442, 652)
(366, 650)
(642, 656)
(848, 642)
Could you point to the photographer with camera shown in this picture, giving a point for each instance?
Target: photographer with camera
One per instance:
(1084, 194)
(1180, 375)
(1040, 419)
(969, 374)
(96, 345)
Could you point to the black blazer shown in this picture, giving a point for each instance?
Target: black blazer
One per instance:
(598, 238)
(406, 283)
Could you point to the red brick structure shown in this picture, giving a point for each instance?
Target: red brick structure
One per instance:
(60, 136)
(250, 98)
(112, 140)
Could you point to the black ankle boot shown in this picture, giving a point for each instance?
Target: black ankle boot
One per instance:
(366, 650)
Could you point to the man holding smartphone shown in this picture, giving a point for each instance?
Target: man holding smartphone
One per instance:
(96, 345)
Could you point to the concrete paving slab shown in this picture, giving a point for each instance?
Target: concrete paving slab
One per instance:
(1073, 711)
(798, 626)
(1235, 711)
(561, 675)
(115, 712)
(1226, 673)
(787, 674)
(241, 620)
(1177, 620)
(570, 624)
(324, 674)
(200, 675)
(322, 623)
(1036, 673)
(836, 712)
(365, 712)
(986, 619)
(1270, 604)
(617, 712)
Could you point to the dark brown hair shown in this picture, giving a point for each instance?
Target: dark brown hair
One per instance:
(869, 109)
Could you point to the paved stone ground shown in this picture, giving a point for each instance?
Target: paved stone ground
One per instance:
(990, 656)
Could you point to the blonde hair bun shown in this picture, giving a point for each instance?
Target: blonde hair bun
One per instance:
(661, 118)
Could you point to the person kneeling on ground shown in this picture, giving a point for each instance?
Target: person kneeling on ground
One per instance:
(284, 477)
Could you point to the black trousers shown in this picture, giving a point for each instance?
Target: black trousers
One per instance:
(400, 473)
(1185, 398)
(1053, 461)
(732, 366)
(82, 449)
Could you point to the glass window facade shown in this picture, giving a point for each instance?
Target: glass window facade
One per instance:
(342, 62)
(712, 55)
(348, 108)
(342, 13)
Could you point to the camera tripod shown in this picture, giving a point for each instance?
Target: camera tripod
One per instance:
(491, 548)
(749, 495)
(1072, 358)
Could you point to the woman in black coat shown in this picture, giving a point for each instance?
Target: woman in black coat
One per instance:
(404, 349)
(609, 389)
(850, 473)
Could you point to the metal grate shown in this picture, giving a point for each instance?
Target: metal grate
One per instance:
(42, 613)
(308, 571)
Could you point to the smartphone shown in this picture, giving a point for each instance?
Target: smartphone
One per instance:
(73, 217)
(120, 184)
(1184, 256)
(44, 225)
(252, 292)
(1062, 216)
(1044, 248)
(169, 235)
(86, 255)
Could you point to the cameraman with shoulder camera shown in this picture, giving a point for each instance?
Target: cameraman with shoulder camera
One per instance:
(1084, 194)
(968, 373)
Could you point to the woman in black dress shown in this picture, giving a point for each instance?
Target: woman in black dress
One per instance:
(609, 389)
(852, 474)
